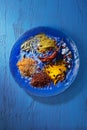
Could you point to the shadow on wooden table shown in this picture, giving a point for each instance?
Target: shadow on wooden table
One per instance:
(75, 89)
(64, 97)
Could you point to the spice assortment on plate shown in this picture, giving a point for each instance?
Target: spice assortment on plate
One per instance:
(44, 60)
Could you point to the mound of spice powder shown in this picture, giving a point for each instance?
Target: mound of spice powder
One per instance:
(27, 66)
(40, 79)
(56, 71)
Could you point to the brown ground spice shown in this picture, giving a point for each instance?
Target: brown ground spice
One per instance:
(40, 79)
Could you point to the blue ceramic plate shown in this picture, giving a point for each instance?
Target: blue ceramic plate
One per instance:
(60, 86)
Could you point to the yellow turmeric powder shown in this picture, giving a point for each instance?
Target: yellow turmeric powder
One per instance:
(56, 72)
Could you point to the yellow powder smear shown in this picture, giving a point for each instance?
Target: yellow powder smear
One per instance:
(45, 42)
(56, 72)
(27, 66)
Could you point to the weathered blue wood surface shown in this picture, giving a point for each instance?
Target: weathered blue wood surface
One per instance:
(19, 111)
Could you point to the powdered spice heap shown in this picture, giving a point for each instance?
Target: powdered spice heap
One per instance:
(27, 67)
(56, 71)
(40, 79)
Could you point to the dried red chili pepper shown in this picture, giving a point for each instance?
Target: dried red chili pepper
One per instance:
(49, 58)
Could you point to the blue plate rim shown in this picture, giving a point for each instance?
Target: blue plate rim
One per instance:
(43, 94)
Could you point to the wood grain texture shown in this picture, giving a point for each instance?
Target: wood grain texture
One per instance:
(20, 111)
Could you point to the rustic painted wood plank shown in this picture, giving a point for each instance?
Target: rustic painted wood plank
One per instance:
(21, 111)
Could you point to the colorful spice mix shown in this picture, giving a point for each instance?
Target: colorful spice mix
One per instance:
(54, 59)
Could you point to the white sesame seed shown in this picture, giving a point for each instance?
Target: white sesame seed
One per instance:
(63, 51)
(64, 44)
(69, 59)
(69, 66)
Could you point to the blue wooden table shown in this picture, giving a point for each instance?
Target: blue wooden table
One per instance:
(20, 111)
